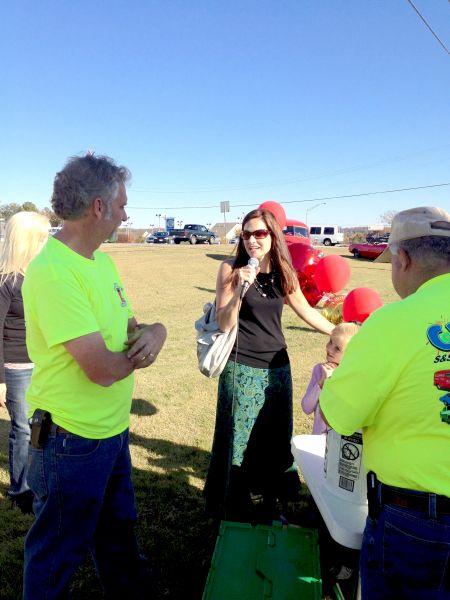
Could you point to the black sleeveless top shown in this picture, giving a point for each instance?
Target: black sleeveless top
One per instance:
(260, 342)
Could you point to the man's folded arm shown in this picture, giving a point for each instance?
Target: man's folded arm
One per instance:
(100, 364)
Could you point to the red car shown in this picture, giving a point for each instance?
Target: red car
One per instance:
(442, 380)
(296, 232)
(366, 250)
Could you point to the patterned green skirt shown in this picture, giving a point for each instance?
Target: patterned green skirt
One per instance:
(251, 461)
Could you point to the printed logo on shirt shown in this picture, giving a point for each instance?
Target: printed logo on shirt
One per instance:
(119, 289)
(439, 336)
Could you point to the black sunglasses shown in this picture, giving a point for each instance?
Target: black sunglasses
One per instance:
(258, 234)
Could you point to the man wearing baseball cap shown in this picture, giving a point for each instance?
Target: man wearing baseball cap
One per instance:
(394, 383)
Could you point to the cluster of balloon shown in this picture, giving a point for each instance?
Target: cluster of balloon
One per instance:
(331, 275)
(305, 260)
(360, 303)
(277, 210)
(318, 275)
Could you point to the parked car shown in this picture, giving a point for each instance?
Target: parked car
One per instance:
(366, 250)
(162, 237)
(296, 232)
(328, 235)
(378, 239)
(53, 230)
(233, 240)
(150, 238)
(194, 234)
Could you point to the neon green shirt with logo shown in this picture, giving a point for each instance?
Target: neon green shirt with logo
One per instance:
(386, 384)
(67, 296)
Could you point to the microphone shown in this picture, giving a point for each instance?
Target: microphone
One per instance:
(252, 262)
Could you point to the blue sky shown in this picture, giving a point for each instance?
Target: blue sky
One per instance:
(241, 101)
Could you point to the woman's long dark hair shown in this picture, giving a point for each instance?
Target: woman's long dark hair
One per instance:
(279, 253)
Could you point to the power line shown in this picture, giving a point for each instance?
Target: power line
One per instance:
(408, 189)
(289, 181)
(429, 27)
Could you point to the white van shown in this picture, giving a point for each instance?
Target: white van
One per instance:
(328, 235)
(53, 230)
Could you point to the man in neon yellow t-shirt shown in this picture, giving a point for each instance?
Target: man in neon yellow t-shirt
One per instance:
(394, 382)
(85, 343)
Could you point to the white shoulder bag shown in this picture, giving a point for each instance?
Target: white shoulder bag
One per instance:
(213, 345)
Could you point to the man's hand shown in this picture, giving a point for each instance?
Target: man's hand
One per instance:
(3, 395)
(145, 343)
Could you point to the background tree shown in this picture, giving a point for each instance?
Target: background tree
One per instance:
(30, 207)
(386, 217)
(8, 210)
(55, 221)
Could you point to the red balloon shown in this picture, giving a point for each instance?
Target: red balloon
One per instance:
(360, 303)
(304, 258)
(332, 273)
(310, 291)
(277, 210)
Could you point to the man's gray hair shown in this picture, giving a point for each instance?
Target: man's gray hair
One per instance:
(83, 179)
(430, 252)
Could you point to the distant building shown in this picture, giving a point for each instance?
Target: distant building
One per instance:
(226, 230)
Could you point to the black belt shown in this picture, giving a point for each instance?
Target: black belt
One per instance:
(415, 501)
(56, 428)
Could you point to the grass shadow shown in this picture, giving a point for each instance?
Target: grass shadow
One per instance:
(363, 259)
(219, 256)
(173, 527)
(143, 408)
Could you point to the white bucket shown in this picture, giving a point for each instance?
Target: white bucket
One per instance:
(345, 475)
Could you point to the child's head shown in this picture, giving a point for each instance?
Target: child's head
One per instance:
(339, 338)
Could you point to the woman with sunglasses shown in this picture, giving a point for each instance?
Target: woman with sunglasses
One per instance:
(251, 464)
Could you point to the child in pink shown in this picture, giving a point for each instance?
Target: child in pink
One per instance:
(335, 349)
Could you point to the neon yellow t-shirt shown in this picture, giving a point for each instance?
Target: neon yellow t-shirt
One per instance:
(386, 385)
(65, 297)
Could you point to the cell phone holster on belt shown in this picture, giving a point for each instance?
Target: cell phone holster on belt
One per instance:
(41, 422)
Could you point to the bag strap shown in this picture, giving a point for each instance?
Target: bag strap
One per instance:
(235, 355)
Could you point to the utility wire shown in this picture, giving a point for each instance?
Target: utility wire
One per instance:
(285, 182)
(422, 187)
(429, 27)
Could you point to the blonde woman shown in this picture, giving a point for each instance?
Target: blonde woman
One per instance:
(25, 234)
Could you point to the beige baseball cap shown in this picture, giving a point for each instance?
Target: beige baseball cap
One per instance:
(415, 223)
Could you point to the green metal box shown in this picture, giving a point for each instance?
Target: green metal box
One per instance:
(257, 562)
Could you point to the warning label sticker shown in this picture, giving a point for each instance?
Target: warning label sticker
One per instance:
(349, 465)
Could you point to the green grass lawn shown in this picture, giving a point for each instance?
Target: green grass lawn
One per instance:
(173, 416)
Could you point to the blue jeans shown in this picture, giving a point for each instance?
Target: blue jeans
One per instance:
(406, 555)
(17, 382)
(84, 501)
